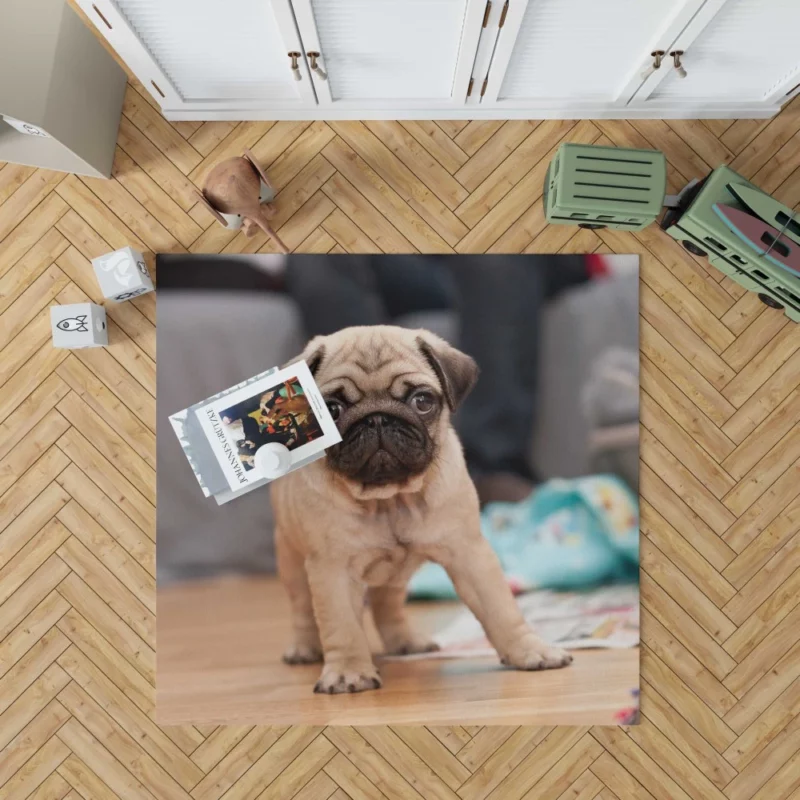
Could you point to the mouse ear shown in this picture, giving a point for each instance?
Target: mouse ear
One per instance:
(257, 167)
(456, 371)
(201, 196)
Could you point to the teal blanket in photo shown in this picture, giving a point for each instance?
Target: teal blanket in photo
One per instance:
(569, 534)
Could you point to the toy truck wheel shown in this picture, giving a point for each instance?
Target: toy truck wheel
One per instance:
(693, 248)
(592, 226)
(769, 301)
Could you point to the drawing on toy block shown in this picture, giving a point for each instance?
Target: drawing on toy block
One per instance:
(122, 274)
(78, 325)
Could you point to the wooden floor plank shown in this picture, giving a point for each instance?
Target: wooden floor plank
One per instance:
(153, 161)
(128, 571)
(25, 199)
(110, 444)
(152, 197)
(209, 134)
(12, 176)
(29, 230)
(426, 168)
(30, 267)
(351, 202)
(102, 580)
(680, 733)
(159, 131)
(506, 174)
(681, 553)
(400, 182)
(437, 143)
(300, 150)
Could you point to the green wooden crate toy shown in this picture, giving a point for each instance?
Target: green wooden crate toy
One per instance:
(605, 187)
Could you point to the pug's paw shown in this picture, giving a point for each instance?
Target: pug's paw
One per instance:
(302, 654)
(531, 653)
(415, 644)
(338, 678)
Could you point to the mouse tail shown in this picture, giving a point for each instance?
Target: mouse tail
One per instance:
(262, 223)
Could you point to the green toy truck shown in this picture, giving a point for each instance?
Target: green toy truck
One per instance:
(614, 187)
(702, 232)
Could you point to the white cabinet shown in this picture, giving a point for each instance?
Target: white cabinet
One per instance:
(390, 53)
(221, 56)
(306, 59)
(735, 51)
(572, 53)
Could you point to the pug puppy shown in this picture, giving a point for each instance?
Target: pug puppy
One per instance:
(393, 494)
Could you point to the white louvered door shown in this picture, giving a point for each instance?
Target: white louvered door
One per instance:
(736, 51)
(230, 54)
(573, 53)
(386, 54)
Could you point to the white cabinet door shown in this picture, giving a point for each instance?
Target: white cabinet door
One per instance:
(736, 51)
(230, 55)
(579, 54)
(390, 54)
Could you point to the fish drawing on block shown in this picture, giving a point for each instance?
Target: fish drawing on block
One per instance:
(764, 239)
(77, 324)
(119, 264)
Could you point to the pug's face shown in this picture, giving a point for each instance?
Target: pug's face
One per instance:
(391, 392)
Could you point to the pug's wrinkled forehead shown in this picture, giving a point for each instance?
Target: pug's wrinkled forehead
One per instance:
(386, 359)
(370, 362)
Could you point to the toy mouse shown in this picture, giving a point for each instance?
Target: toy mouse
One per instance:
(233, 188)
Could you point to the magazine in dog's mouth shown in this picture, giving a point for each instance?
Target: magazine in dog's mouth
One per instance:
(282, 406)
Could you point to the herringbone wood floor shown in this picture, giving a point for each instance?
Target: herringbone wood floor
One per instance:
(720, 468)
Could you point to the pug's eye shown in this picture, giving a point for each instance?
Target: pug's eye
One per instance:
(335, 409)
(423, 402)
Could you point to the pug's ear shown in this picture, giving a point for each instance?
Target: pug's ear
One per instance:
(315, 359)
(312, 355)
(456, 371)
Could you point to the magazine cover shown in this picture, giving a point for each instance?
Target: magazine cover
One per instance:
(281, 406)
(285, 407)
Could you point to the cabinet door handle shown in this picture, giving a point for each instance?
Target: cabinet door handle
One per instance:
(313, 56)
(676, 60)
(657, 55)
(295, 66)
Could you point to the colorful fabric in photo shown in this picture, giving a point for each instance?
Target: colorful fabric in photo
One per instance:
(569, 534)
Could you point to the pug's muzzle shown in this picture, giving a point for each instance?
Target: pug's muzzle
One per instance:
(382, 448)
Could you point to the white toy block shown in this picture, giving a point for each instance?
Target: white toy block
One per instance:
(122, 274)
(78, 325)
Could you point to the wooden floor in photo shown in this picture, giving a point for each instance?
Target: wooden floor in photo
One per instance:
(720, 471)
(219, 661)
